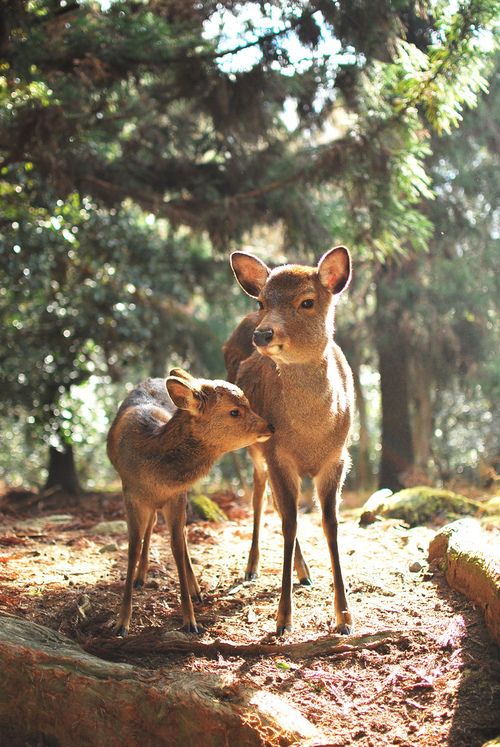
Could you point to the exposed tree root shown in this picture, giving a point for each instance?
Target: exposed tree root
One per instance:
(52, 692)
(160, 642)
(471, 566)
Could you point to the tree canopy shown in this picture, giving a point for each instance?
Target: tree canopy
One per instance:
(137, 100)
(140, 140)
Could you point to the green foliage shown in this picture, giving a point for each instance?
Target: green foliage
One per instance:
(458, 308)
(445, 302)
(450, 73)
(84, 299)
(81, 279)
(137, 142)
(146, 101)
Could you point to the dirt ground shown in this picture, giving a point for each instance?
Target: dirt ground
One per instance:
(438, 683)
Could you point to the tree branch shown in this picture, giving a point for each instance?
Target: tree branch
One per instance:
(172, 642)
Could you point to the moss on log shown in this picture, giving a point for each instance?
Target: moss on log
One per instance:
(492, 507)
(418, 505)
(54, 692)
(471, 566)
(205, 508)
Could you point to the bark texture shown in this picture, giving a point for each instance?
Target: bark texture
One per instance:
(363, 463)
(54, 692)
(160, 642)
(471, 567)
(62, 471)
(397, 455)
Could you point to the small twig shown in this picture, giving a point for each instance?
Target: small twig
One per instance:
(83, 605)
(419, 686)
(414, 704)
(389, 680)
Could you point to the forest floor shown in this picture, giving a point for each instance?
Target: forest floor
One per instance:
(436, 683)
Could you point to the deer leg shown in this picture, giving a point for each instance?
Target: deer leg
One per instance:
(259, 486)
(301, 567)
(138, 519)
(194, 588)
(285, 486)
(299, 563)
(142, 569)
(329, 490)
(175, 511)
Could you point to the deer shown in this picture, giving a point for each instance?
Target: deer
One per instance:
(284, 357)
(167, 434)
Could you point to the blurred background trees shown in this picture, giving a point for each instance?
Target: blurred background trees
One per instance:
(141, 141)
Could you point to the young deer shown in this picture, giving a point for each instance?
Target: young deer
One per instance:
(165, 436)
(293, 373)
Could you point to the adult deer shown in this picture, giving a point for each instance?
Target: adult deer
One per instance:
(286, 361)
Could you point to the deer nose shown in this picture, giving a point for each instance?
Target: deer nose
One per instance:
(262, 337)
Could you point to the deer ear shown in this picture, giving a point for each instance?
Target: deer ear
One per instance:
(251, 273)
(183, 394)
(334, 269)
(179, 373)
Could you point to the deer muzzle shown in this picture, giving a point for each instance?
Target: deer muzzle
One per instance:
(262, 337)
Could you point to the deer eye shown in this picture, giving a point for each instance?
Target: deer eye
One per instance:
(235, 413)
(307, 304)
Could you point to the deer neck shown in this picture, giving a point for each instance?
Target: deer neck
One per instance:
(304, 383)
(182, 455)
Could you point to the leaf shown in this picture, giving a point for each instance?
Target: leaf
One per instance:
(283, 665)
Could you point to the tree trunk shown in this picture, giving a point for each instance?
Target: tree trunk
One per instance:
(158, 359)
(363, 466)
(62, 471)
(423, 414)
(397, 446)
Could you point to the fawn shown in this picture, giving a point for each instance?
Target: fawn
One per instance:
(165, 436)
(293, 373)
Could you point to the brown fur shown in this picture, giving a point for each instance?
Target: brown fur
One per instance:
(300, 380)
(167, 434)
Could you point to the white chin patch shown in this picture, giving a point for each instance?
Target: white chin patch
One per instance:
(263, 438)
(274, 349)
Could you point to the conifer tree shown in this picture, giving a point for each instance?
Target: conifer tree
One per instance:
(111, 108)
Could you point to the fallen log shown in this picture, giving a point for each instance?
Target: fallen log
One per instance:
(418, 505)
(471, 567)
(53, 692)
(161, 642)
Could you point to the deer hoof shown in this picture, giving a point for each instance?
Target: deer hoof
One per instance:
(192, 628)
(138, 583)
(307, 581)
(343, 629)
(121, 631)
(251, 575)
(282, 629)
(197, 598)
